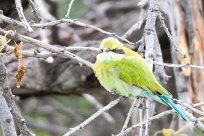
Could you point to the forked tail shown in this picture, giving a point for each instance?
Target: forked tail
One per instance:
(173, 106)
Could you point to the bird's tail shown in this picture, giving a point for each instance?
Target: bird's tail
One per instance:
(176, 108)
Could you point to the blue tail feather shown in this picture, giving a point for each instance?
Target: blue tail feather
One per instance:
(173, 106)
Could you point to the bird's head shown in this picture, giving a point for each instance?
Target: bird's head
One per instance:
(111, 50)
(112, 45)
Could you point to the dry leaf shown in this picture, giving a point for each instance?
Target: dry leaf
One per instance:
(21, 67)
(19, 75)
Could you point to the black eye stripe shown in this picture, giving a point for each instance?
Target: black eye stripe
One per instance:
(118, 51)
(100, 51)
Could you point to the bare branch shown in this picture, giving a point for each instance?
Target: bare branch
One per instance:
(140, 107)
(137, 25)
(159, 70)
(9, 97)
(21, 15)
(35, 11)
(95, 115)
(189, 107)
(8, 48)
(169, 35)
(60, 51)
(195, 121)
(83, 48)
(98, 106)
(78, 23)
(128, 118)
(11, 20)
(198, 104)
(149, 41)
(43, 11)
(158, 116)
(6, 118)
(69, 8)
(186, 127)
(147, 118)
(70, 21)
(179, 65)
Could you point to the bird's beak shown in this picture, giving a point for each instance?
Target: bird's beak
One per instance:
(106, 49)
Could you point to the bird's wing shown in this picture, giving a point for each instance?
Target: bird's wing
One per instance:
(136, 71)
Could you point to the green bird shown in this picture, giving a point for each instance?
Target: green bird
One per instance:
(122, 71)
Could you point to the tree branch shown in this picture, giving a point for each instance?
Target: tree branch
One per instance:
(60, 51)
(6, 119)
(128, 118)
(9, 97)
(69, 8)
(95, 115)
(21, 15)
(35, 11)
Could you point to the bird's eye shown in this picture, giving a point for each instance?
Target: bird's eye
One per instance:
(118, 51)
(113, 50)
(100, 51)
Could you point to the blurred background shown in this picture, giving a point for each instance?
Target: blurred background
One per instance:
(57, 94)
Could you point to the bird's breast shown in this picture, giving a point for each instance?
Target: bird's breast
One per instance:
(107, 57)
(109, 79)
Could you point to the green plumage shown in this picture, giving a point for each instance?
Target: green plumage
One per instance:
(126, 77)
(130, 72)
(124, 72)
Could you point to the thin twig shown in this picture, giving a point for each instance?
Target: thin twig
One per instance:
(83, 49)
(169, 35)
(141, 125)
(21, 15)
(11, 20)
(136, 26)
(198, 104)
(35, 11)
(177, 133)
(59, 51)
(140, 108)
(147, 118)
(69, 8)
(43, 10)
(128, 118)
(9, 49)
(95, 115)
(158, 116)
(179, 65)
(70, 21)
(159, 70)
(194, 120)
(98, 106)
(189, 107)
(78, 23)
